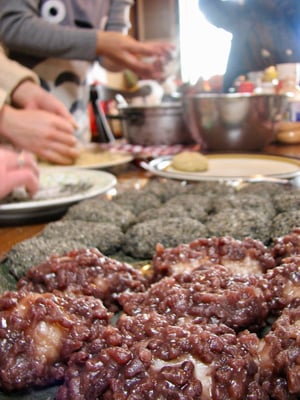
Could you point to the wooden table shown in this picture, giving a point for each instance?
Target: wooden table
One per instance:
(128, 176)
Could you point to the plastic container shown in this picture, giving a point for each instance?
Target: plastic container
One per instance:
(288, 83)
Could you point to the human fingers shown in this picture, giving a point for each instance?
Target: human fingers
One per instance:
(24, 176)
(128, 52)
(58, 136)
(25, 160)
(40, 99)
(150, 59)
(61, 148)
(59, 156)
(63, 132)
(146, 68)
(13, 160)
(8, 157)
(114, 44)
(159, 49)
(163, 64)
(52, 139)
(18, 169)
(64, 113)
(57, 107)
(151, 69)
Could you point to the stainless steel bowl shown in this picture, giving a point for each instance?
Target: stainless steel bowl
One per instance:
(233, 122)
(154, 125)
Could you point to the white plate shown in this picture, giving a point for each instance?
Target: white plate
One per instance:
(229, 167)
(94, 156)
(59, 188)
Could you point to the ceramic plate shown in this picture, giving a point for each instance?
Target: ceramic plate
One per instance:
(59, 188)
(230, 167)
(95, 157)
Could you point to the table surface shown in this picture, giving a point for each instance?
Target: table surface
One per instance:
(127, 175)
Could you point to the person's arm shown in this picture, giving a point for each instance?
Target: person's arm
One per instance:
(29, 95)
(12, 75)
(50, 137)
(20, 86)
(3, 96)
(223, 14)
(23, 30)
(122, 51)
(117, 50)
(45, 127)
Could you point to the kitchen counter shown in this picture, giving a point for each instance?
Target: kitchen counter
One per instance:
(128, 175)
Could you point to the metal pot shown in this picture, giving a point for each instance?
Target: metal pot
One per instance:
(233, 122)
(154, 125)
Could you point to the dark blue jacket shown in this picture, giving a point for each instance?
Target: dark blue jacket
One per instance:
(265, 32)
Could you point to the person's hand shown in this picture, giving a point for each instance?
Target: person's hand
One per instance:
(50, 137)
(119, 51)
(29, 95)
(17, 169)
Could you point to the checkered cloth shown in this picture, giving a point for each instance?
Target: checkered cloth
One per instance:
(139, 151)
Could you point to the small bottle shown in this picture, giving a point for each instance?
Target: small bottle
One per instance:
(288, 84)
(268, 81)
(246, 87)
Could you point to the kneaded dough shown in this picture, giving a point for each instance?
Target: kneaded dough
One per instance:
(190, 161)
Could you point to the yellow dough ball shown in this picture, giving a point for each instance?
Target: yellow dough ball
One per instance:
(190, 162)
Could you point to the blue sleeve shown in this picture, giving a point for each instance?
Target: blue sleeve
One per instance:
(223, 14)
